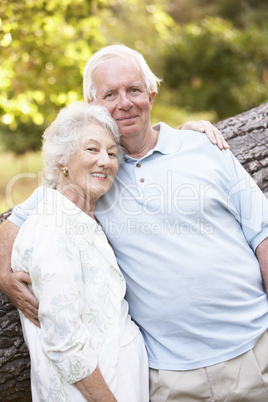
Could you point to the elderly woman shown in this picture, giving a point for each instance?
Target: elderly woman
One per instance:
(87, 347)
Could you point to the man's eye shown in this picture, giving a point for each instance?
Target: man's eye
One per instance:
(134, 90)
(109, 95)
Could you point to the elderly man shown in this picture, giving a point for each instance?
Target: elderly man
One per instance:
(189, 228)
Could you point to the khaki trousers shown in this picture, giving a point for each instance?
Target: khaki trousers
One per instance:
(243, 379)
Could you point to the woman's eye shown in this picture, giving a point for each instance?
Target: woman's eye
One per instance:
(113, 155)
(92, 149)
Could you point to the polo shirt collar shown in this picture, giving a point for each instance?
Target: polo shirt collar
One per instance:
(168, 141)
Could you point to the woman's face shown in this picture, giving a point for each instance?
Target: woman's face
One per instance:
(92, 168)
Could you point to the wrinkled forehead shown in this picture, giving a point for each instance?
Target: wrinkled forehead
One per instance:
(113, 64)
(91, 129)
(117, 58)
(94, 131)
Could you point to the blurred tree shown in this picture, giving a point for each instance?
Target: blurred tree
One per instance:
(186, 11)
(140, 24)
(44, 47)
(211, 64)
(215, 66)
(244, 13)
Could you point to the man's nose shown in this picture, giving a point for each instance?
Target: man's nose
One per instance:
(124, 101)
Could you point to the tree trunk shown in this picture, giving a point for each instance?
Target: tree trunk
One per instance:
(14, 356)
(247, 134)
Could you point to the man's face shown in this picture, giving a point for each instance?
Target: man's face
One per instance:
(121, 89)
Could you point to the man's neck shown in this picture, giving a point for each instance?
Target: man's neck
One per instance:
(137, 150)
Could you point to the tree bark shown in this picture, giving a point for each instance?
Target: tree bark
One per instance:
(14, 356)
(246, 133)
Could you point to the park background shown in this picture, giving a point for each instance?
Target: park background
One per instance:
(211, 54)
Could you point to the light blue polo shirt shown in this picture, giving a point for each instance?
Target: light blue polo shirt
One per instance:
(183, 222)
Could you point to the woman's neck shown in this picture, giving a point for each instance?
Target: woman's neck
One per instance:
(86, 204)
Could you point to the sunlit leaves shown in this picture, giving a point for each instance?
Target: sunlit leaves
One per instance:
(216, 66)
(45, 45)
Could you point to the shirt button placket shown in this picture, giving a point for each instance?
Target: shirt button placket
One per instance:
(138, 165)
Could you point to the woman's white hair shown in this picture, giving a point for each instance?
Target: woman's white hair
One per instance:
(115, 51)
(61, 138)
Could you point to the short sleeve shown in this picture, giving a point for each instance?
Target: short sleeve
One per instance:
(21, 212)
(248, 202)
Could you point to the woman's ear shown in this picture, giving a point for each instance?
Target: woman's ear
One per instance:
(65, 172)
(63, 168)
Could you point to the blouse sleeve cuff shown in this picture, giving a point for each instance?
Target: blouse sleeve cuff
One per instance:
(75, 369)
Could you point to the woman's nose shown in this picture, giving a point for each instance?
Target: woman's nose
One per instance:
(104, 159)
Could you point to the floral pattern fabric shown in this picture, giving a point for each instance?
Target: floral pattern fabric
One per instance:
(81, 291)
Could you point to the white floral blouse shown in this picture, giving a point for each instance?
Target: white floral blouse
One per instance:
(81, 291)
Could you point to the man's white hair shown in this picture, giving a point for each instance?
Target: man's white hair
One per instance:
(111, 52)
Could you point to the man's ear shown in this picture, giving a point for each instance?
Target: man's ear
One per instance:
(151, 98)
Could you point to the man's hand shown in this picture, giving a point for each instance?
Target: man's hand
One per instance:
(211, 131)
(16, 289)
(15, 284)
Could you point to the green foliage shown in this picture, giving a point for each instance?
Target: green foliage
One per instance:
(44, 47)
(244, 13)
(212, 64)
(172, 115)
(215, 66)
(141, 25)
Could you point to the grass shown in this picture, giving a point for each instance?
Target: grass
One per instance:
(19, 176)
(174, 116)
